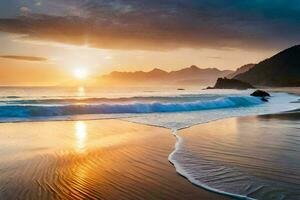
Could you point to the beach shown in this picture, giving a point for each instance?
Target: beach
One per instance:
(189, 145)
(97, 159)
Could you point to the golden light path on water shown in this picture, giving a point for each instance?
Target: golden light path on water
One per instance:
(80, 91)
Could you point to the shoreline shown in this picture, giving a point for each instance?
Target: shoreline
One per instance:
(193, 181)
(285, 116)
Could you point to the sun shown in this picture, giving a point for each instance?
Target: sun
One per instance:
(80, 73)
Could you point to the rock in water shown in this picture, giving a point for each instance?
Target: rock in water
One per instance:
(264, 99)
(260, 93)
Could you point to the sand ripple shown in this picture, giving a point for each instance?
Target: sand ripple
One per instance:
(106, 159)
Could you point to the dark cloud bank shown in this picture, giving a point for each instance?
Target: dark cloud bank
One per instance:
(25, 58)
(163, 25)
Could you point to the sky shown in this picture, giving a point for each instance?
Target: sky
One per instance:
(44, 41)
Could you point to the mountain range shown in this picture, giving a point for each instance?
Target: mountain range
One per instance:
(192, 75)
(282, 69)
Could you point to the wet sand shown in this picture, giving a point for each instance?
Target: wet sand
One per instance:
(254, 156)
(98, 159)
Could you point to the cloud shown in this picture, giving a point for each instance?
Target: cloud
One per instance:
(163, 25)
(24, 9)
(214, 57)
(39, 3)
(25, 58)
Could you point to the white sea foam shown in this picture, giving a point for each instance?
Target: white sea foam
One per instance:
(279, 102)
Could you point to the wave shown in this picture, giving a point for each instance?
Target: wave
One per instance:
(48, 110)
(11, 100)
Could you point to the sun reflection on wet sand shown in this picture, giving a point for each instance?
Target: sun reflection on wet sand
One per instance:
(81, 136)
(95, 159)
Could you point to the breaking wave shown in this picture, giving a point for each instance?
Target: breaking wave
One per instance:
(42, 108)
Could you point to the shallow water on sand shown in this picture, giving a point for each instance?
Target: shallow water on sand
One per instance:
(257, 157)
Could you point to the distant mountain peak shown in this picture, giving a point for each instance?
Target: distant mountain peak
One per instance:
(241, 70)
(157, 70)
(194, 67)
